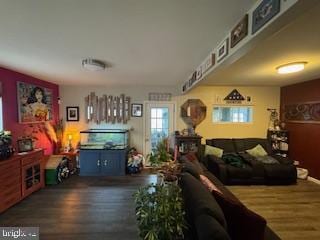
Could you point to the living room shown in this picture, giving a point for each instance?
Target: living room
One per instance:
(72, 70)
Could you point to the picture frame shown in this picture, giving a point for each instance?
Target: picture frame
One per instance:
(223, 50)
(35, 103)
(136, 110)
(198, 73)
(209, 62)
(266, 10)
(24, 145)
(239, 32)
(72, 114)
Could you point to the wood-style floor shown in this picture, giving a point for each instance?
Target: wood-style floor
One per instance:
(103, 208)
(81, 208)
(293, 212)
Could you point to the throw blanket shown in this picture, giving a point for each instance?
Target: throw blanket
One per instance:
(233, 160)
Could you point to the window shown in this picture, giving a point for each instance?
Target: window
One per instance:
(232, 114)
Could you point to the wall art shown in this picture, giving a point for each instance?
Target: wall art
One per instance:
(223, 50)
(34, 103)
(72, 114)
(264, 13)
(136, 110)
(208, 63)
(308, 112)
(239, 32)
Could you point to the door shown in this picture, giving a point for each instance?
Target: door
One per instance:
(90, 163)
(159, 123)
(110, 163)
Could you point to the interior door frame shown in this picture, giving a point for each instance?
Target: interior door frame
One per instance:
(145, 103)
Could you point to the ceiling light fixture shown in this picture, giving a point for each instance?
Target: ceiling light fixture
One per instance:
(291, 67)
(93, 64)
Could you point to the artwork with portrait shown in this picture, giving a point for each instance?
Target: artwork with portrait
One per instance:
(34, 103)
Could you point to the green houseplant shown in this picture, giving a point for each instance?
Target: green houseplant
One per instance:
(159, 211)
(159, 155)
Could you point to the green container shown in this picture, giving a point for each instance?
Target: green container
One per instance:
(51, 169)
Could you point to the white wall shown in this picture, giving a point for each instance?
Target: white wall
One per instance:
(262, 98)
(74, 96)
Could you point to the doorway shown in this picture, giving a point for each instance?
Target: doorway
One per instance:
(159, 124)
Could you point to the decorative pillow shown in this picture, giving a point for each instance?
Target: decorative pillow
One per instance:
(267, 160)
(209, 185)
(257, 151)
(209, 150)
(243, 224)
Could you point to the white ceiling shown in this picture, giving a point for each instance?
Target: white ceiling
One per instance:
(147, 42)
(297, 41)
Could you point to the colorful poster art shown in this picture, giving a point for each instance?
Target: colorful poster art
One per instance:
(34, 103)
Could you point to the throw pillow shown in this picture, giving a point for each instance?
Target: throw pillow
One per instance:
(257, 151)
(243, 224)
(209, 150)
(209, 185)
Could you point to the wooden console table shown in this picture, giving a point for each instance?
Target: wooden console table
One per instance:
(20, 176)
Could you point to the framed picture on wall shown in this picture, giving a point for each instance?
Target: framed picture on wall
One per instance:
(136, 110)
(25, 145)
(223, 50)
(72, 114)
(34, 103)
(240, 31)
(264, 13)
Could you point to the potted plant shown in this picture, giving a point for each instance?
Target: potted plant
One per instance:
(170, 171)
(159, 211)
(6, 150)
(159, 155)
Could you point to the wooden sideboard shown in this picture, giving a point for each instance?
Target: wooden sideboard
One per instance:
(20, 176)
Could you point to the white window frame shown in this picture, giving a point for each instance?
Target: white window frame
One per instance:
(233, 105)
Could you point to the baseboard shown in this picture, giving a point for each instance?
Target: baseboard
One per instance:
(311, 179)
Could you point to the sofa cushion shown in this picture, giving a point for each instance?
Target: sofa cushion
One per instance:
(267, 160)
(242, 144)
(243, 224)
(199, 200)
(257, 151)
(224, 143)
(210, 150)
(208, 228)
(239, 173)
(191, 168)
(280, 172)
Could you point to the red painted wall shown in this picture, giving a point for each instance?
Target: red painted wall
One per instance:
(9, 80)
(304, 137)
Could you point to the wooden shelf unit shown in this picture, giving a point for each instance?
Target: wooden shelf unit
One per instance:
(20, 176)
(185, 144)
(279, 141)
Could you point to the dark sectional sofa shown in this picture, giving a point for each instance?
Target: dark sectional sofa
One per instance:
(209, 217)
(252, 171)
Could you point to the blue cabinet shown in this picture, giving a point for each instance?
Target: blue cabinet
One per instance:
(102, 162)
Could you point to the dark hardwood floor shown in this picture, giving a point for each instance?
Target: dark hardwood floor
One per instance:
(81, 208)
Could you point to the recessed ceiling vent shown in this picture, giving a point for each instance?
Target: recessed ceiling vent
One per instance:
(93, 64)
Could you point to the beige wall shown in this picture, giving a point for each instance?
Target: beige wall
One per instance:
(262, 98)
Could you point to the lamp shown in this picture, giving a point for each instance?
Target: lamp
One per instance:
(291, 67)
(70, 148)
